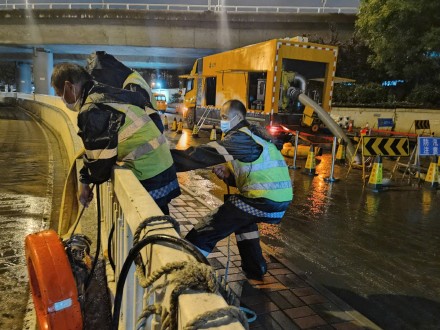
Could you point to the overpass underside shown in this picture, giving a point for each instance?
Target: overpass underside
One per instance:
(153, 39)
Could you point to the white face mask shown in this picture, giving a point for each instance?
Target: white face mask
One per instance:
(225, 125)
(71, 106)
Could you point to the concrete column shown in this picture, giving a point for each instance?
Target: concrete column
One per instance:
(43, 65)
(24, 78)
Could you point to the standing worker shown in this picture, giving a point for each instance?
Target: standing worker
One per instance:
(257, 168)
(115, 130)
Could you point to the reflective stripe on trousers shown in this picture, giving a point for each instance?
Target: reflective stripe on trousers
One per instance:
(165, 190)
(252, 210)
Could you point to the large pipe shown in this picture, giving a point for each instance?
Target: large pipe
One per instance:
(329, 122)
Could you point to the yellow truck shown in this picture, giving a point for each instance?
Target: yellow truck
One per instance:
(161, 101)
(267, 77)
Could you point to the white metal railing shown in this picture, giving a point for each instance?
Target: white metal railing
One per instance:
(125, 204)
(179, 7)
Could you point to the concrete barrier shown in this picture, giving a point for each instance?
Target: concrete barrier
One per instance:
(403, 118)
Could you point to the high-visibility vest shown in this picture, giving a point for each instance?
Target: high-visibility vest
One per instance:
(136, 79)
(267, 177)
(141, 146)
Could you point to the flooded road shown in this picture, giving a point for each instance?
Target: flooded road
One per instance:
(379, 252)
(27, 164)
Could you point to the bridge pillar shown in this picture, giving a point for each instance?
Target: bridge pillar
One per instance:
(24, 78)
(43, 65)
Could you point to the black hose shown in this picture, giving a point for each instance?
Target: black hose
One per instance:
(98, 239)
(133, 253)
(109, 247)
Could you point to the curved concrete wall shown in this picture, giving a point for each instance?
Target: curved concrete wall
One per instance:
(52, 112)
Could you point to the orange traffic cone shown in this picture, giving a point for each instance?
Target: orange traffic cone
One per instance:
(310, 168)
(432, 174)
(174, 126)
(180, 127)
(375, 180)
(213, 136)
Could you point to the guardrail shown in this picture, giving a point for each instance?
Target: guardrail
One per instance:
(125, 205)
(180, 7)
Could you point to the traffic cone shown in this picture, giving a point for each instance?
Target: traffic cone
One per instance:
(310, 168)
(213, 136)
(340, 154)
(432, 174)
(174, 126)
(165, 122)
(375, 180)
(180, 127)
(195, 132)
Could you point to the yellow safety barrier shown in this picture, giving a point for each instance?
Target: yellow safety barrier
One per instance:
(310, 168)
(165, 122)
(375, 180)
(180, 127)
(213, 136)
(432, 174)
(174, 125)
(195, 132)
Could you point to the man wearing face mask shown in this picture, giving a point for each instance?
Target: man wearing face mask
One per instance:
(253, 164)
(116, 129)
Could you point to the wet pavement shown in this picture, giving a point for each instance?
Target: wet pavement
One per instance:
(378, 252)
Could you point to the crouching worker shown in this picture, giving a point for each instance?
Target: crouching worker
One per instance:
(115, 129)
(257, 168)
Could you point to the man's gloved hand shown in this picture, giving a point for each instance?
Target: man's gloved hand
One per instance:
(86, 194)
(222, 171)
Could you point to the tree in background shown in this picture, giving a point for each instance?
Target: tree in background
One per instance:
(403, 36)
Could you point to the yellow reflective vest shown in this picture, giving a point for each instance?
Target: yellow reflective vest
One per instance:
(266, 177)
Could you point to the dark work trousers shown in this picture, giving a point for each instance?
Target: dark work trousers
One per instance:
(222, 222)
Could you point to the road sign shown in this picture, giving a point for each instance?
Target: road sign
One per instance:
(385, 122)
(421, 124)
(429, 146)
(385, 146)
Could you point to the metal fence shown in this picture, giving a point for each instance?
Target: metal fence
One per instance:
(24, 4)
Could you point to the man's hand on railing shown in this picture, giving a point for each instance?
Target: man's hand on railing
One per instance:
(86, 194)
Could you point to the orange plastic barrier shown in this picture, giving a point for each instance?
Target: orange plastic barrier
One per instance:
(52, 283)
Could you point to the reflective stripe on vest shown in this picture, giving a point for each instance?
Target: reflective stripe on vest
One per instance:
(136, 79)
(164, 191)
(141, 146)
(146, 148)
(267, 176)
(253, 211)
(247, 236)
(101, 153)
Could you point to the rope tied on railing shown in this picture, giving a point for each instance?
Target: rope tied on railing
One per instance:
(186, 275)
(202, 319)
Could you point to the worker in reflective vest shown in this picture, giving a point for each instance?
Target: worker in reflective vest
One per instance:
(116, 129)
(108, 70)
(253, 164)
